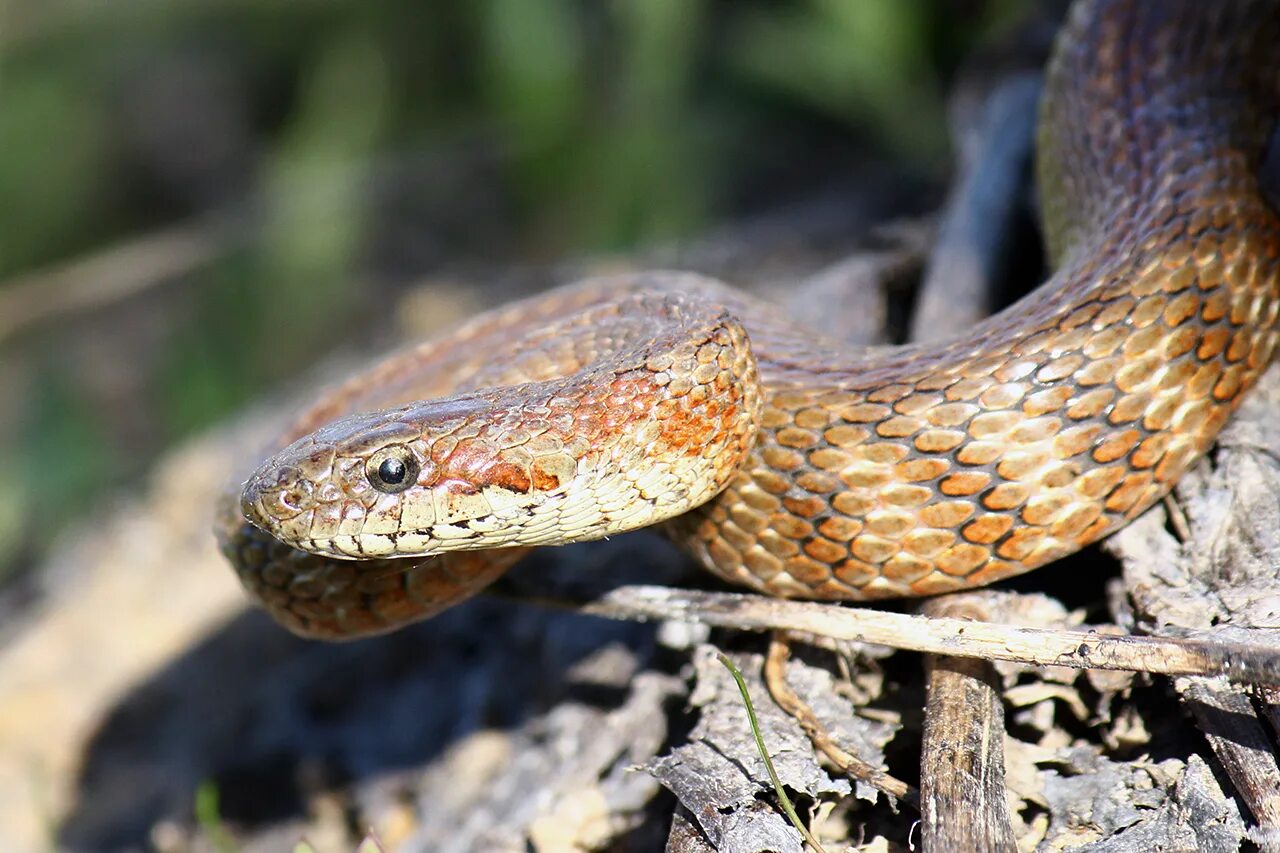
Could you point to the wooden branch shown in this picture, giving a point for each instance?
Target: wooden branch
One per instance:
(1080, 649)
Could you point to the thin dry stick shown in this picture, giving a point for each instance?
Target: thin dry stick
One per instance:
(1080, 649)
(775, 678)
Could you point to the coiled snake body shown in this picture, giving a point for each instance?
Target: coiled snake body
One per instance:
(800, 466)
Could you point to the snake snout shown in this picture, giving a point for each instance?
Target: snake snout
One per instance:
(275, 494)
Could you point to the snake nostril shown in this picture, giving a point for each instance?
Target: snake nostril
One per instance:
(250, 508)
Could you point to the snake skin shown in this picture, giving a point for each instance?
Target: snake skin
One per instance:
(802, 467)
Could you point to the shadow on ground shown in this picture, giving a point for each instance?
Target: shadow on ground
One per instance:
(270, 719)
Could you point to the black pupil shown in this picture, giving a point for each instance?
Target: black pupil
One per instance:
(391, 472)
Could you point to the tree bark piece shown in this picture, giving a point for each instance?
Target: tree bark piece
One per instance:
(1227, 717)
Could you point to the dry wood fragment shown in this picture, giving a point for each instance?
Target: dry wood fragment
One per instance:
(1227, 718)
(112, 274)
(962, 789)
(684, 836)
(973, 249)
(992, 113)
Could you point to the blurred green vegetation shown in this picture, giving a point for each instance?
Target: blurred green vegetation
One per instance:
(330, 151)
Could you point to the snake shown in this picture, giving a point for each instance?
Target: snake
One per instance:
(798, 465)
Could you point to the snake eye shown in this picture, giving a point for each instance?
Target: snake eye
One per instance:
(392, 469)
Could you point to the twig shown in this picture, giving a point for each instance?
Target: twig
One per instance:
(775, 677)
(1199, 655)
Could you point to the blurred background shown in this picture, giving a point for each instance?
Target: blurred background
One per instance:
(199, 199)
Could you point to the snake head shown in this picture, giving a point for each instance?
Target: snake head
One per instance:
(452, 474)
(638, 438)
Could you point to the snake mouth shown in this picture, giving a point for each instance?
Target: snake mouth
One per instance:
(414, 544)
(337, 547)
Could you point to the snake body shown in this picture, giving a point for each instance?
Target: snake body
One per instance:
(800, 466)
